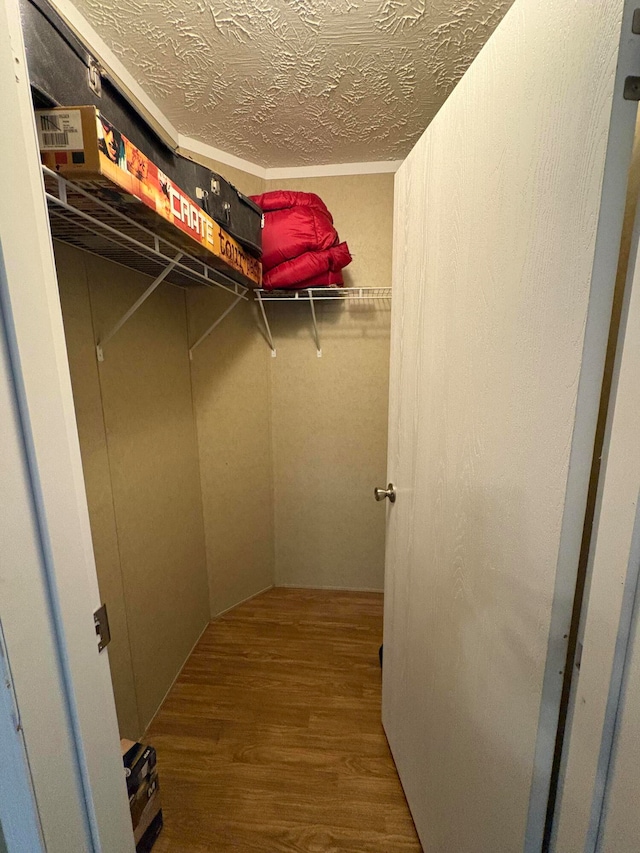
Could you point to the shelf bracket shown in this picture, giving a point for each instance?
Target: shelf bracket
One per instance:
(316, 334)
(313, 295)
(214, 324)
(266, 325)
(127, 316)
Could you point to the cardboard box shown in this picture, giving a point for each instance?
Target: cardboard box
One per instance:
(144, 793)
(79, 143)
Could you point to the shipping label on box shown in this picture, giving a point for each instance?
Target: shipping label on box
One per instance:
(82, 145)
(60, 131)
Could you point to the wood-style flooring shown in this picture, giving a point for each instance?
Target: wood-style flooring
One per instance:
(271, 738)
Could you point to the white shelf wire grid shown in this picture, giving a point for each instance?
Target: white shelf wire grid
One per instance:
(311, 295)
(81, 218)
(324, 294)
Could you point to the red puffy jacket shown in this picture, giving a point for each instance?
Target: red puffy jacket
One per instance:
(311, 269)
(300, 246)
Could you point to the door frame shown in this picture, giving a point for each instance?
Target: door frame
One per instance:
(609, 614)
(19, 824)
(62, 684)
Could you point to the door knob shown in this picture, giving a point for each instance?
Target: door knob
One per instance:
(389, 492)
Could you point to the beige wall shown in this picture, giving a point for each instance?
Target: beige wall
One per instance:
(291, 447)
(231, 398)
(230, 371)
(139, 451)
(329, 414)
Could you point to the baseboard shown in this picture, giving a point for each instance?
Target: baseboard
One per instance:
(238, 603)
(330, 588)
(184, 663)
(178, 674)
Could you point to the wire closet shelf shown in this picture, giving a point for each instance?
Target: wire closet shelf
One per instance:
(324, 294)
(311, 295)
(81, 219)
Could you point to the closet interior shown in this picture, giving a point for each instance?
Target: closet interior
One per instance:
(242, 395)
(231, 432)
(213, 477)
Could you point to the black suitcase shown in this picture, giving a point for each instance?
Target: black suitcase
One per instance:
(238, 215)
(63, 72)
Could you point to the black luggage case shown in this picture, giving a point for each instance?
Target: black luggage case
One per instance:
(237, 214)
(63, 72)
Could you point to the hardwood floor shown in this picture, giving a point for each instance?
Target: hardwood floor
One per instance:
(271, 738)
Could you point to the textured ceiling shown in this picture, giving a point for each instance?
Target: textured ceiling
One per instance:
(298, 82)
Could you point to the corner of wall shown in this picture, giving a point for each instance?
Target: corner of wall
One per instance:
(329, 414)
(231, 398)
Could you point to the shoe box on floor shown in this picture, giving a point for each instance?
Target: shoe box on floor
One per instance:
(144, 794)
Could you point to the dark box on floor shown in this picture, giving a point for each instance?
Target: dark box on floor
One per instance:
(144, 793)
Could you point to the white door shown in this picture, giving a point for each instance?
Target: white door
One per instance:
(60, 684)
(508, 216)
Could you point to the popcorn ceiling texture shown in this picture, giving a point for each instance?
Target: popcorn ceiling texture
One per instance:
(298, 82)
